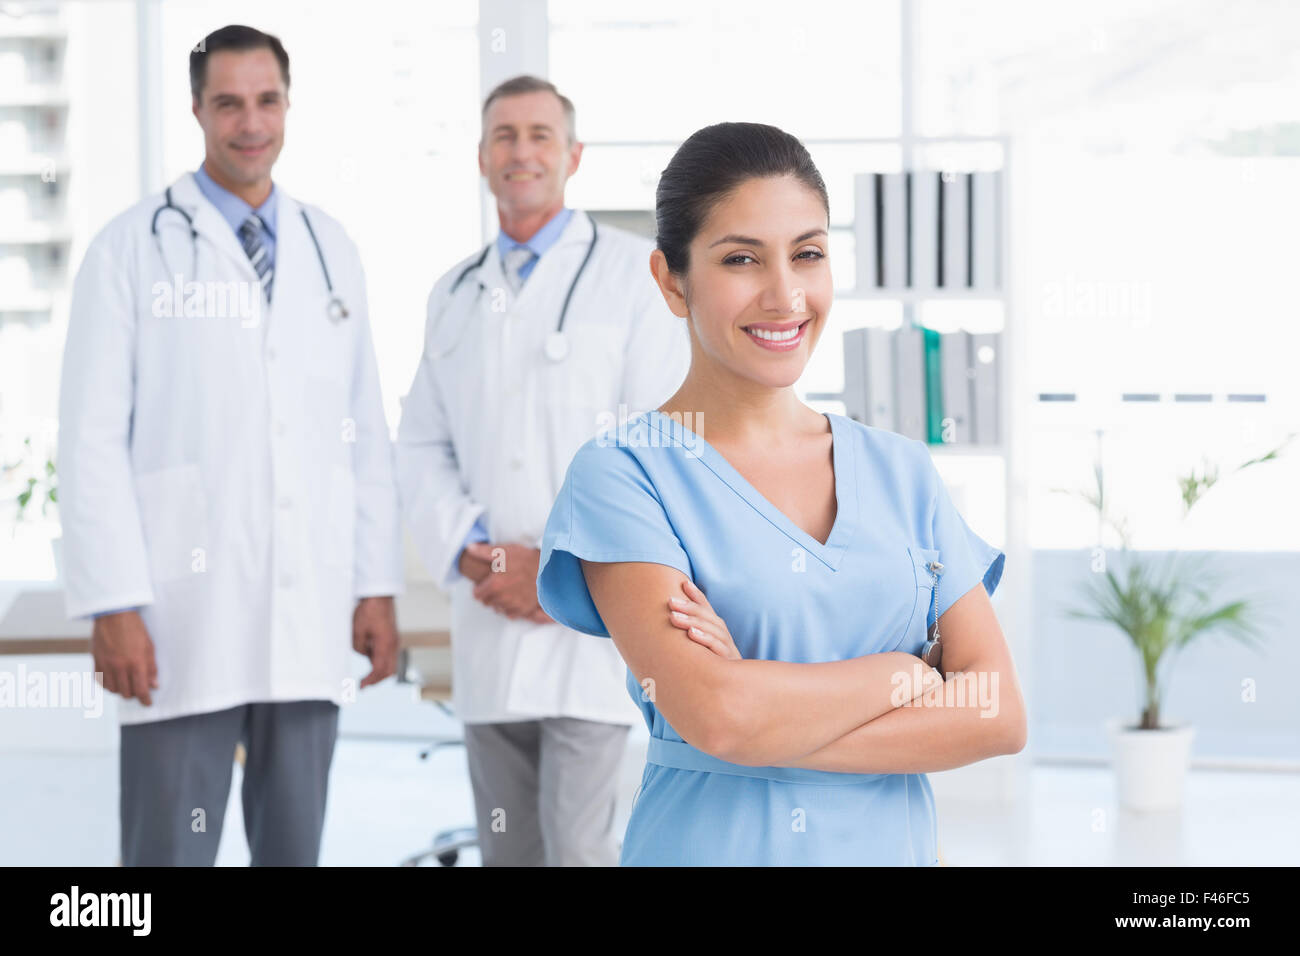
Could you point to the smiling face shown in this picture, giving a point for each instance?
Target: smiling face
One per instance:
(241, 108)
(526, 154)
(758, 286)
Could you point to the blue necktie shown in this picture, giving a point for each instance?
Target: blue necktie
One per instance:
(250, 236)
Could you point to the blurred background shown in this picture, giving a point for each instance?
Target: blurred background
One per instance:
(1138, 314)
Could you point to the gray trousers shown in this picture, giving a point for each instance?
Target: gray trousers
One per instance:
(175, 783)
(545, 791)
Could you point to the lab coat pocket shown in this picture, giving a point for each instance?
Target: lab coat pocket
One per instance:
(342, 518)
(174, 518)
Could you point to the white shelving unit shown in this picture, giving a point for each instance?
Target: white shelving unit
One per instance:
(1002, 778)
(35, 236)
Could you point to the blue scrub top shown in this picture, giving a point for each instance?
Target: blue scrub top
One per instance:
(656, 491)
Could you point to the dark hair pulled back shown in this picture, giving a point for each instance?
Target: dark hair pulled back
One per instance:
(711, 163)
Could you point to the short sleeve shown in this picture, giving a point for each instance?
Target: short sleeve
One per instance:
(967, 558)
(608, 510)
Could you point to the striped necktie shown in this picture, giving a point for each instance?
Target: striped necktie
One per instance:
(516, 259)
(250, 236)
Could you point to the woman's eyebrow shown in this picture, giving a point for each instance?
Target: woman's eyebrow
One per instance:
(751, 241)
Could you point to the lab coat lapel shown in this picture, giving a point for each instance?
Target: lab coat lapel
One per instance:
(557, 268)
(210, 224)
(296, 269)
(577, 231)
(493, 276)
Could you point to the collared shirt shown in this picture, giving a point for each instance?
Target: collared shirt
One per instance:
(538, 242)
(235, 210)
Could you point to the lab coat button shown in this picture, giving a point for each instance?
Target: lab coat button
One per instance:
(516, 463)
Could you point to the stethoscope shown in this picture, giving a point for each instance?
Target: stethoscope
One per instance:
(335, 309)
(557, 343)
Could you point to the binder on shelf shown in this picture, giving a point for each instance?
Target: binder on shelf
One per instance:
(856, 376)
(958, 374)
(942, 389)
(925, 229)
(895, 251)
(986, 356)
(910, 393)
(954, 223)
(882, 390)
(869, 377)
(986, 230)
(866, 223)
(933, 387)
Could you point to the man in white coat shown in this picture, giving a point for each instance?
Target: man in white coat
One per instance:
(502, 399)
(230, 513)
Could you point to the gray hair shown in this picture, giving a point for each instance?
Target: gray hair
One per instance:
(534, 84)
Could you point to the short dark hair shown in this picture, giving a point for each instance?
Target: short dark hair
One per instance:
(709, 165)
(525, 83)
(233, 37)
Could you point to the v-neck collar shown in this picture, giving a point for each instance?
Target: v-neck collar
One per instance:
(846, 488)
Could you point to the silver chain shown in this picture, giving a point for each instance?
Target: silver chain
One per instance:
(935, 568)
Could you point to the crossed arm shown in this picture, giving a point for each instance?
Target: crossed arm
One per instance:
(867, 714)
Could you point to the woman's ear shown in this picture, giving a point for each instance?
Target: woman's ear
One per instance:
(669, 285)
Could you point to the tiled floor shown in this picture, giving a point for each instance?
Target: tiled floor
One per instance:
(385, 803)
(1070, 818)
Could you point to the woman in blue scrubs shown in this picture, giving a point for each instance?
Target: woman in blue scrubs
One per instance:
(769, 573)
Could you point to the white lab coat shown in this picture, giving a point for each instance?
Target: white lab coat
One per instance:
(492, 427)
(232, 471)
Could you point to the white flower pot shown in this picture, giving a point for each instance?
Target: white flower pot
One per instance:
(1150, 765)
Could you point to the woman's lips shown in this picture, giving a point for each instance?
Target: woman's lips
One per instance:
(778, 343)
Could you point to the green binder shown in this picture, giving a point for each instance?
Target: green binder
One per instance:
(933, 388)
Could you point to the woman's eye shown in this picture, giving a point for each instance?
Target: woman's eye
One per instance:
(811, 255)
(735, 260)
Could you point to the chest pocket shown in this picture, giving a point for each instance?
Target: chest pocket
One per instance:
(926, 569)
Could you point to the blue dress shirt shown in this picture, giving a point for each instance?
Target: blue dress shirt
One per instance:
(539, 241)
(234, 210)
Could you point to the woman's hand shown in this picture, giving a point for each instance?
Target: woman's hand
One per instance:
(696, 617)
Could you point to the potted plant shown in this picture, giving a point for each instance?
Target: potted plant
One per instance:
(1161, 606)
(38, 483)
